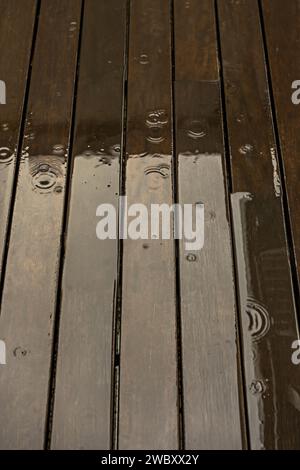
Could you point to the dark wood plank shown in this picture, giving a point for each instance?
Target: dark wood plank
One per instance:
(148, 389)
(195, 40)
(282, 34)
(29, 296)
(83, 385)
(267, 308)
(16, 34)
(209, 348)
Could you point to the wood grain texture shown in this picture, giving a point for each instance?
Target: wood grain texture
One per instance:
(148, 389)
(195, 40)
(207, 291)
(267, 308)
(83, 385)
(16, 35)
(29, 296)
(282, 34)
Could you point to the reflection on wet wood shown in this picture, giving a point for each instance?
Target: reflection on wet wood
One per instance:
(29, 296)
(265, 287)
(15, 47)
(176, 374)
(209, 330)
(148, 382)
(83, 400)
(282, 34)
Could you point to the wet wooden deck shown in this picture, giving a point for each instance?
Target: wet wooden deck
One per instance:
(118, 343)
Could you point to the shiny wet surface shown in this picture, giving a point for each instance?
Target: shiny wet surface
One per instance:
(137, 344)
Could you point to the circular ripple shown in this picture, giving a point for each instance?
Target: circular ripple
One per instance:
(259, 320)
(5, 155)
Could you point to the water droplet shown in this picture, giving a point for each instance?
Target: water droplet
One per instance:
(59, 149)
(246, 149)
(44, 167)
(88, 153)
(155, 121)
(30, 136)
(73, 26)
(144, 60)
(20, 352)
(191, 257)
(240, 118)
(157, 118)
(44, 178)
(212, 215)
(257, 387)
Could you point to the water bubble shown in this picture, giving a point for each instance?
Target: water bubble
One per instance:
(5, 127)
(191, 257)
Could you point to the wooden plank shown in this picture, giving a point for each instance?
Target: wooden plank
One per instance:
(83, 385)
(195, 41)
(212, 419)
(29, 295)
(282, 33)
(16, 33)
(148, 391)
(267, 307)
